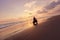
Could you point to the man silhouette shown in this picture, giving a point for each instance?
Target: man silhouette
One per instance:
(35, 21)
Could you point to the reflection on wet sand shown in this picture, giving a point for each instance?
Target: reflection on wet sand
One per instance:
(12, 30)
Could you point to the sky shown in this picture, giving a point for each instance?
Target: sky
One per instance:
(25, 8)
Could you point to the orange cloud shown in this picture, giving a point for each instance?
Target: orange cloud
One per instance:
(31, 8)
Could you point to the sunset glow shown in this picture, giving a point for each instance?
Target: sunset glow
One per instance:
(18, 15)
(17, 8)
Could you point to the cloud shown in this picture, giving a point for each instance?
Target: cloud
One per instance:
(53, 12)
(31, 8)
(49, 7)
(52, 5)
(56, 10)
(43, 11)
(29, 4)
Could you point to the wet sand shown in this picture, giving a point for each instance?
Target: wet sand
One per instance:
(49, 30)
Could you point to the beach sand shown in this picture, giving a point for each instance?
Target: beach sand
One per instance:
(49, 30)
